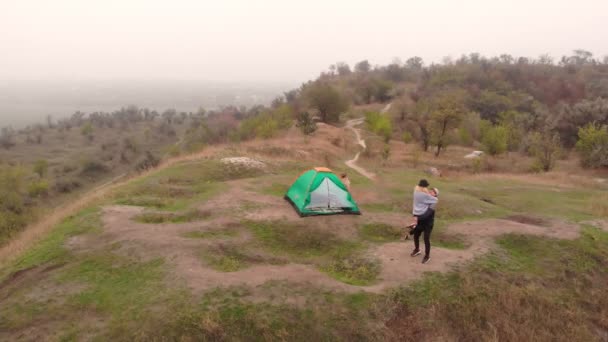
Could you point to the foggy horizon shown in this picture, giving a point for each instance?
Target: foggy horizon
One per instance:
(239, 41)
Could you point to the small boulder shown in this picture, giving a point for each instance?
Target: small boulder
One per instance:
(433, 171)
(474, 154)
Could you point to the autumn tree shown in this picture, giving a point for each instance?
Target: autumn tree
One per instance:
(447, 110)
(327, 101)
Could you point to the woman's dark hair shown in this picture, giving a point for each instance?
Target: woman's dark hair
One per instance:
(423, 183)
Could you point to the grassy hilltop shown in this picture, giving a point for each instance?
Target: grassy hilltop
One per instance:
(191, 245)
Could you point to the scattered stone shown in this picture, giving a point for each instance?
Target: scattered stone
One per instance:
(433, 171)
(244, 161)
(474, 154)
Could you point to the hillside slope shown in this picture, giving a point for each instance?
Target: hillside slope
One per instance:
(208, 250)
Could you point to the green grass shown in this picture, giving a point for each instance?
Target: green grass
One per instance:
(228, 315)
(115, 285)
(211, 234)
(300, 242)
(380, 232)
(51, 249)
(226, 258)
(178, 187)
(354, 270)
(338, 258)
(532, 289)
(276, 189)
(158, 218)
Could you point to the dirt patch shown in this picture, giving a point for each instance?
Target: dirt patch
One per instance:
(525, 219)
(397, 267)
(20, 278)
(601, 224)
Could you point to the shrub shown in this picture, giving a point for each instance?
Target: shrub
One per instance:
(407, 137)
(546, 148)
(495, 139)
(465, 137)
(38, 189)
(13, 215)
(386, 152)
(148, 162)
(593, 145)
(379, 124)
(41, 167)
(66, 185)
(305, 123)
(87, 131)
(91, 167)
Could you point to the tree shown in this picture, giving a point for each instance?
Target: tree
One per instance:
(169, 115)
(381, 89)
(328, 102)
(448, 110)
(494, 139)
(49, 121)
(420, 118)
(41, 167)
(379, 124)
(593, 145)
(569, 119)
(363, 66)
(342, 68)
(7, 137)
(87, 131)
(546, 148)
(305, 123)
(415, 63)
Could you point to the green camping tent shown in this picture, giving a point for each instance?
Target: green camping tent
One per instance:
(320, 192)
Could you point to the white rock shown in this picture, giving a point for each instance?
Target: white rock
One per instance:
(244, 161)
(474, 154)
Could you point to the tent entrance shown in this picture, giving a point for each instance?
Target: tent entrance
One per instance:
(328, 197)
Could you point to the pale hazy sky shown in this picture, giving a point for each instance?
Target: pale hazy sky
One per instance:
(277, 40)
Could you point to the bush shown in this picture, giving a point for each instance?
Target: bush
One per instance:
(148, 162)
(379, 124)
(38, 189)
(93, 168)
(593, 145)
(546, 148)
(407, 137)
(66, 185)
(41, 167)
(13, 214)
(495, 139)
(386, 153)
(305, 123)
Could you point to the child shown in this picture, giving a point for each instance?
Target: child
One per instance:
(345, 181)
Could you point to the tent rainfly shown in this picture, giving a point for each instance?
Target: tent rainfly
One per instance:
(320, 192)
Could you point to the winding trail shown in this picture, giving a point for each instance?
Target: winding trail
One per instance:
(350, 124)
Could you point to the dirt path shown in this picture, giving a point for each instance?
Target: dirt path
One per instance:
(350, 124)
(145, 241)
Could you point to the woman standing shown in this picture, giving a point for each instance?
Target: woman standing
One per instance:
(424, 210)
